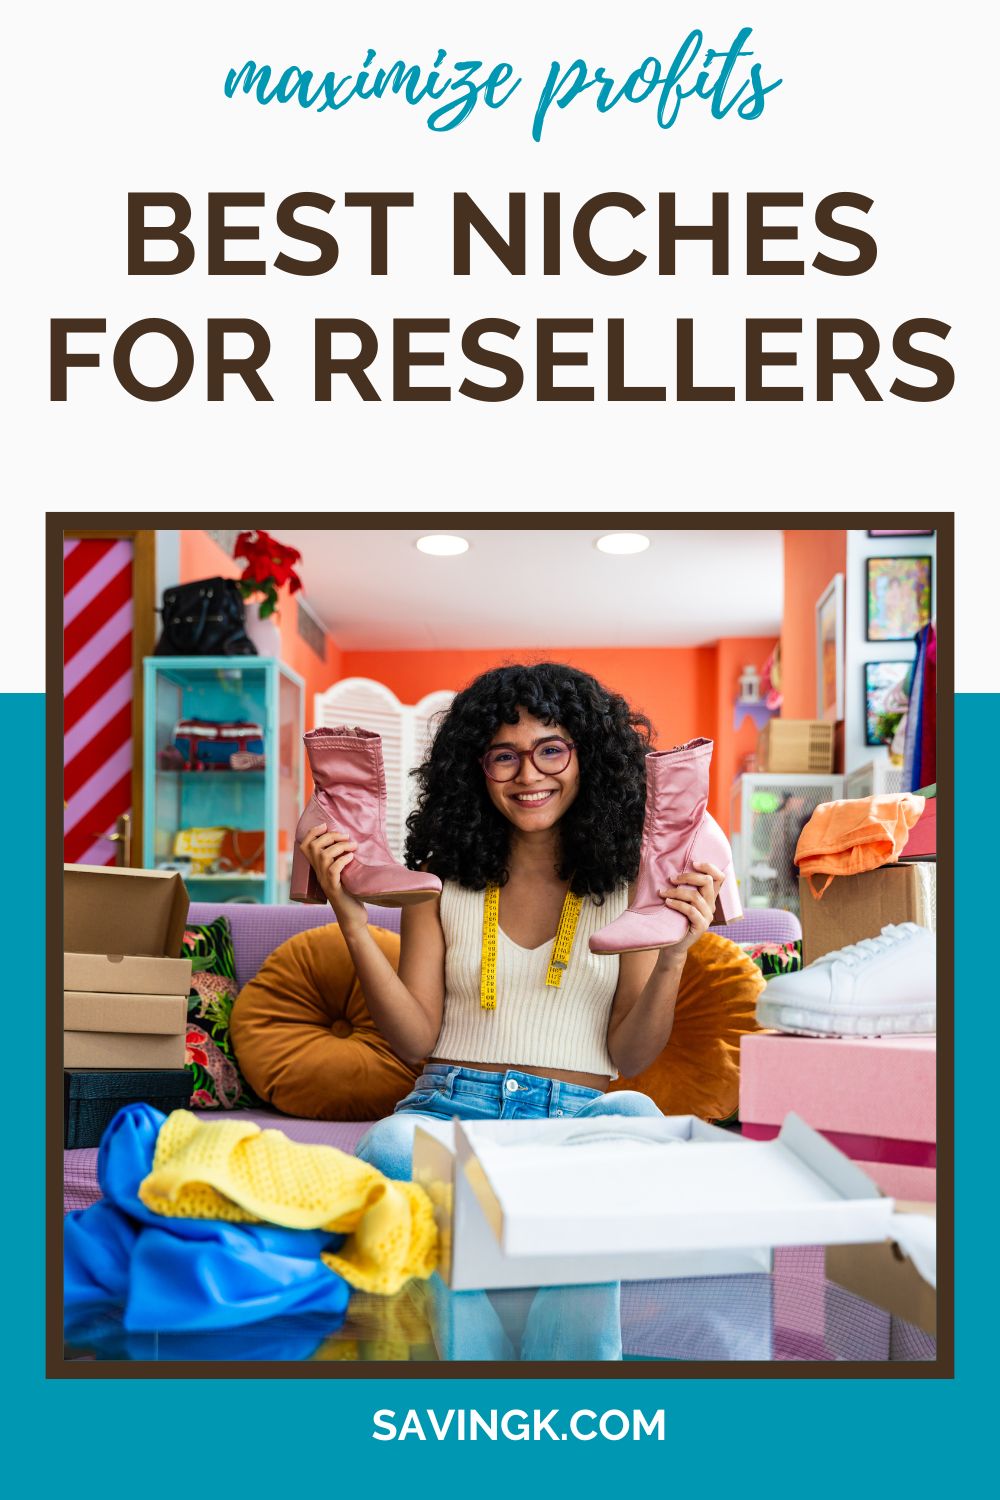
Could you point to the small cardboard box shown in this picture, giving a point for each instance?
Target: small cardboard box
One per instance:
(123, 1049)
(858, 906)
(885, 1276)
(566, 1202)
(163, 1014)
(122, 931)
(799, 746)
(872, 1097)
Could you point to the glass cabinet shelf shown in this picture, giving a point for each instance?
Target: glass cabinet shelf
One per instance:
(228, 831)
(214, 775)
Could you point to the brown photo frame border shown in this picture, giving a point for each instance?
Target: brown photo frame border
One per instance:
(56, 1365)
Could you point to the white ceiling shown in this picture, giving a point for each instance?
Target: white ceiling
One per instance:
(373, 590)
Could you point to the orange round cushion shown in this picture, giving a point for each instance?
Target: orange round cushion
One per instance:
(303, 1036)
(698, 1071)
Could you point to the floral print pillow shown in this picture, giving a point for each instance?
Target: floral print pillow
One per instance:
(216, 1080)
(774, 958)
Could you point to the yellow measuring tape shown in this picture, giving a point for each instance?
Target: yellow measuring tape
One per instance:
(561, 948)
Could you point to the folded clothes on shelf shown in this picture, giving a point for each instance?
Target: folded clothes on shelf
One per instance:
(214, 745)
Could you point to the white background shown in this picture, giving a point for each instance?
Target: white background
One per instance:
(892, 101)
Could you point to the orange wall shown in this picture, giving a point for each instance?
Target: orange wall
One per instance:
(811, 560)
(660, 683)
(202, 557)
(686, 691)
(731, 656)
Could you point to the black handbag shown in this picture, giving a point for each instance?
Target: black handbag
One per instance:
(204, 618)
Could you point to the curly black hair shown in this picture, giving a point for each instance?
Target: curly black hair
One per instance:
(456, 831)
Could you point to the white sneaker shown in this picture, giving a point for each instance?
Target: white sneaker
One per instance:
(882, 986)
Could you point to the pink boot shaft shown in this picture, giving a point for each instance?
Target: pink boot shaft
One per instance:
(677, 832)
(349, 795)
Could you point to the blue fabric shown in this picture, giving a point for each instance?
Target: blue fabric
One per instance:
(183, 1275)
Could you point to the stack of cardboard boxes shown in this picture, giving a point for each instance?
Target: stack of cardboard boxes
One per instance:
(125, 994)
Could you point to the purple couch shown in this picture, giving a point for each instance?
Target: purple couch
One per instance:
(257, 931)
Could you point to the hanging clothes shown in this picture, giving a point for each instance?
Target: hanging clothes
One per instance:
(928, 727)
(919, 756)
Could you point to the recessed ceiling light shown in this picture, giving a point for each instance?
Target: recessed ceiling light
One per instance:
(443, 546)
(622, 543)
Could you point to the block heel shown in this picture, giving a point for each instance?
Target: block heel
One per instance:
(729, 903)
(305, 886)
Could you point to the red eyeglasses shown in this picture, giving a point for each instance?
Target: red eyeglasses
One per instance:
(503, 762)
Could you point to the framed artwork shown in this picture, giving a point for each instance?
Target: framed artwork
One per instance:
(899, 597)
(830, 651)
(902, 533)
(880, 676)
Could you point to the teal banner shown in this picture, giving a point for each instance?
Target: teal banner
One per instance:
(794, 1437)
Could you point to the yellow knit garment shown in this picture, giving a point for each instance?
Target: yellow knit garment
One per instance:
(231, 1169)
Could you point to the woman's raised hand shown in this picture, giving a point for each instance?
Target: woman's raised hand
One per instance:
(329, 851)
(694, 895)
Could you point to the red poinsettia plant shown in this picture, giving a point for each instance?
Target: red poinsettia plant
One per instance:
(269, 566)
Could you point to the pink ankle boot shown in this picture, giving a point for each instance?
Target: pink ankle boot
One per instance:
(349, 795)
(676, 832)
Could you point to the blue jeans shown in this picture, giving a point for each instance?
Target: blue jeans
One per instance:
(560, 1322)
(443, 1093)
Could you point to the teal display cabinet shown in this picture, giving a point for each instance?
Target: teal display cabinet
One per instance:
(263, 801)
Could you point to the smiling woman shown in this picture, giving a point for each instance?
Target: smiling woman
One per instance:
(510, 714)
(531, 814)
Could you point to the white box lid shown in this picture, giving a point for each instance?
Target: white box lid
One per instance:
(612, 1184)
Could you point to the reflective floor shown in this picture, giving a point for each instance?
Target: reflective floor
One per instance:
(791, 1314)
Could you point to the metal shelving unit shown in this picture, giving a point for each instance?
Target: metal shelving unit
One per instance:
(767, 814)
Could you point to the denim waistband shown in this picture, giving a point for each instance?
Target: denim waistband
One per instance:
(532, 1088)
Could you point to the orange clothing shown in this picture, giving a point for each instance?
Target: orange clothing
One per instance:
(851, 836)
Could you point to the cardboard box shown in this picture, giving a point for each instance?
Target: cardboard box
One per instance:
(800, 746)
(93, 1096)
(859, 906)
(83, 1011)
(874, 1098)
(566, 1202)
(122, 931)
(122, 1049)
(884, 1275)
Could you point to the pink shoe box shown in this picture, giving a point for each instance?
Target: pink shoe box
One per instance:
(922, 842)
(873, 1097)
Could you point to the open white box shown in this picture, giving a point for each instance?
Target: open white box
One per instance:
(565, 1202)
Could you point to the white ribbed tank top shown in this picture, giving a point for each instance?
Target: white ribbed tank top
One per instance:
(532, 1025)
